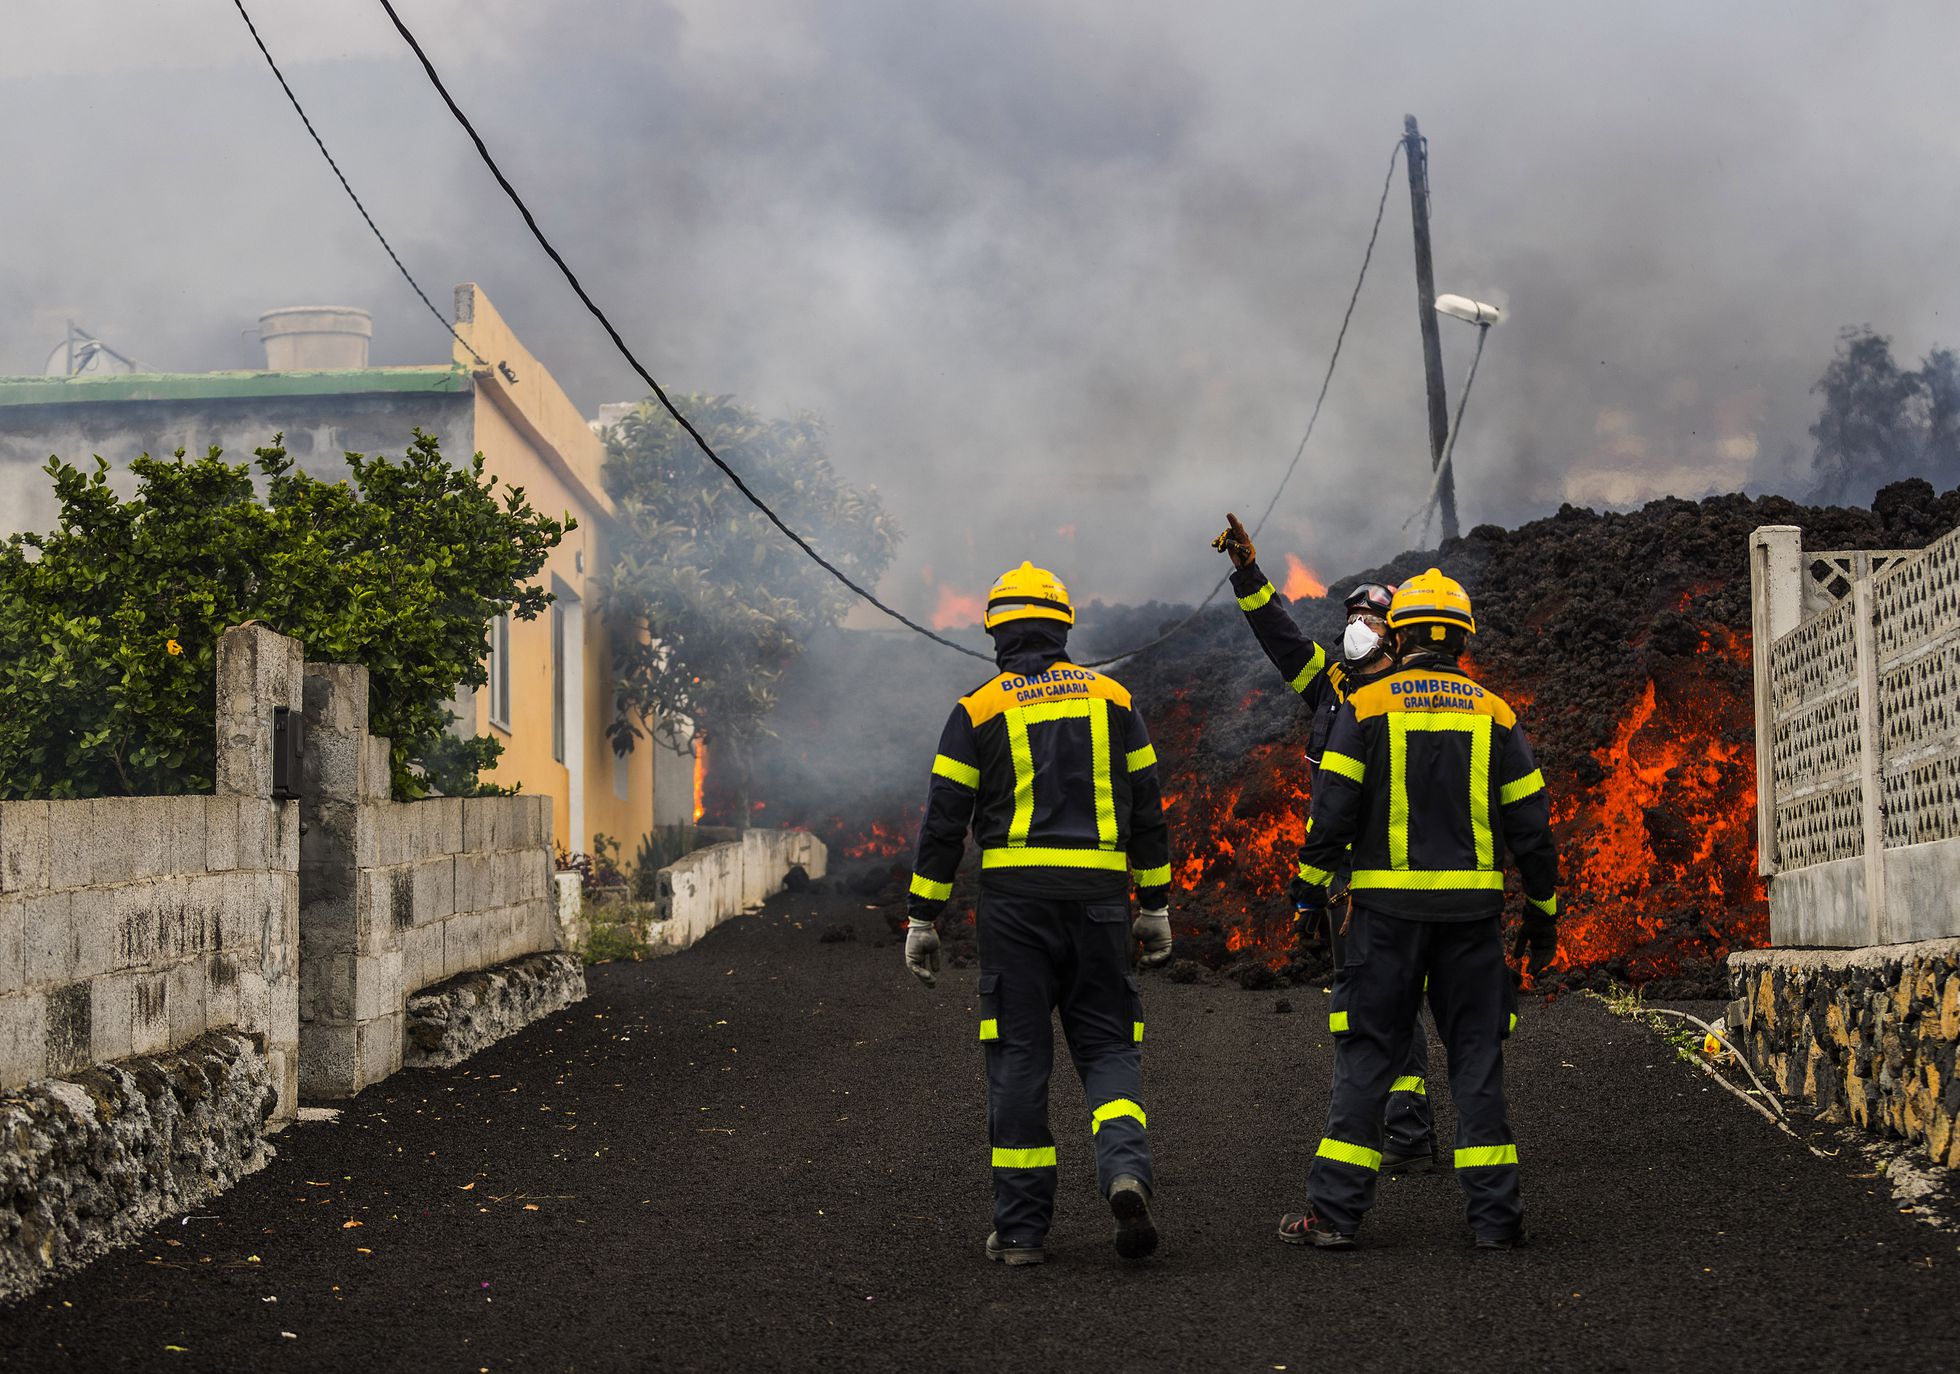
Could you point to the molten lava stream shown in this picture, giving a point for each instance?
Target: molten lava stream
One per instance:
(1301, 581)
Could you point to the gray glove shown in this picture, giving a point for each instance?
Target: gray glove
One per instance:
(1153, 928)
(922, 950)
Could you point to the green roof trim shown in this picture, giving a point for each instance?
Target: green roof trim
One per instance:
(213, 386)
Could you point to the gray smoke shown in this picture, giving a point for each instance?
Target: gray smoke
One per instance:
(1061, 278)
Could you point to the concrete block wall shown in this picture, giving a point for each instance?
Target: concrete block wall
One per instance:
(702, 889)
(398, 895)
(132, 925)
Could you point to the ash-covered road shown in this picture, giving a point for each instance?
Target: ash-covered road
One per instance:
(769, 1153)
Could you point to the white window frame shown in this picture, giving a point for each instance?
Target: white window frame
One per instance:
(499, 673)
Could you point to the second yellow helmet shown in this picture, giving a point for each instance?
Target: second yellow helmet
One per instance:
(1430, 598)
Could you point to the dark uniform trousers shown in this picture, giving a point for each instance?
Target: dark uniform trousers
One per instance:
(1039, 955)
(1410, 1125)
(1376, 1014)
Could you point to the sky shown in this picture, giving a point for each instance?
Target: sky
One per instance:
(1061, 278)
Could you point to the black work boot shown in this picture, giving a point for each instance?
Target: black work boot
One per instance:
(1421, 1160)
(1014, 1251)
(1136, 1233)
(1517, 1240)
(1297, 1228)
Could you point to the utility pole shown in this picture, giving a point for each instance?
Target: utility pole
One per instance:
(1432, 345)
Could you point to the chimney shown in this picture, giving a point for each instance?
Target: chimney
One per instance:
(322, 338)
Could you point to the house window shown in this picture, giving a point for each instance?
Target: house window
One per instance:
(558, 681)
(499, 671)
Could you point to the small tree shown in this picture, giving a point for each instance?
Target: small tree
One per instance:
(1881, 423)
(722, 602)
(109, 625)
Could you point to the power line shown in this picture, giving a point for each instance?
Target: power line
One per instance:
(619, 343)
(1312, 419)
(381, 238)
(660, 393)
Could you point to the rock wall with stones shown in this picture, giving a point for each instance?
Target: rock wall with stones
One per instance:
(132, 925)
(1867, 1036)
(92, 1160)
(398, 896)
(454, 1019)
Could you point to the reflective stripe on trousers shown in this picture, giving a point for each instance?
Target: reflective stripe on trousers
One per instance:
(1039, 956)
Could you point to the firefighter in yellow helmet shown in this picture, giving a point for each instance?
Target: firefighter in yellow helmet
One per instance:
(1428, 778)
(1050, 766)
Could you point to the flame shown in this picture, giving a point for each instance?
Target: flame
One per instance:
(1301, 581)
(1656, 829)
(700, 779)
(880, 841)
(955, 611)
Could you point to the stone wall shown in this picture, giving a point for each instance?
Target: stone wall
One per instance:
(398, 896)
(1867, 1036)
(91, 1161)
(702, 889)
(132, 925)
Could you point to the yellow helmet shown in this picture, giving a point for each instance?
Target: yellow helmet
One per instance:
(1432, 599)
(1028, 593)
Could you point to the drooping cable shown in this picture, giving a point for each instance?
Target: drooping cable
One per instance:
(707, 450)
(342, 178)
(619, 342)
(1326, 380)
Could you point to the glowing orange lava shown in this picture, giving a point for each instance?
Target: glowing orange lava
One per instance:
(700, 778)
(1301, 581)
(956, 612)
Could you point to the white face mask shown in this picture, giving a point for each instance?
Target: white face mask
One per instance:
(1360, 642)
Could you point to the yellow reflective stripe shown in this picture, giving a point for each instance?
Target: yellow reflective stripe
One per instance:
(1105, 785)
(1304, 678)
(1319, 877)
(1045, 711)
(1486, 1156)
(1398, 791)
(1159, 876)
(965, 774)
(1480, 790)
(1017, 746)
(1409, 1083)
(990, 1029)
(1140, 759)
(1549, 905)
(1258, 598)
(1351, 768)
(1429, 879)
(1040, 1157)
(1111, 1111)
(1514, 1024)
(1337, 1022)
(922, 886)
(1136, 1032)
(1034, 856)
(1358, 1155)
(1534, 781)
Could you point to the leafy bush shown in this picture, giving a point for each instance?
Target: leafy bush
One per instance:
(109, 625)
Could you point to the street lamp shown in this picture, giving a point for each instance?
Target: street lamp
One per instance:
(1483, 315)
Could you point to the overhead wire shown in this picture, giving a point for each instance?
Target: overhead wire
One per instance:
(381, 238)
(660, 394)
(1313, 419)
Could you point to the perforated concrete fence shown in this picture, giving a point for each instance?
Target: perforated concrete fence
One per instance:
(1858, 740)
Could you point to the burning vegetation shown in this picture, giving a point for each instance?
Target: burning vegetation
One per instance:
(1621, 639)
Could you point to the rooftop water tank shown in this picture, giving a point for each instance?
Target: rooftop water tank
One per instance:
(325, 338)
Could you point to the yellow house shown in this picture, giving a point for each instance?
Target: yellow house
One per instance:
(549, 697)
(550, 692)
